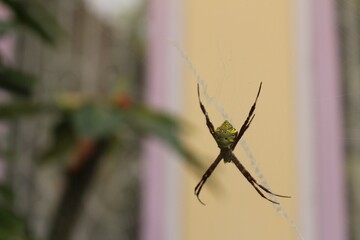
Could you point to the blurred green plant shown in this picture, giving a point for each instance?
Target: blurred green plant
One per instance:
(85, 128)
(12, 225)
(31, 15)
(91, 129)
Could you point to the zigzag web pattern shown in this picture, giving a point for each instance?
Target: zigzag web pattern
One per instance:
(279, 209)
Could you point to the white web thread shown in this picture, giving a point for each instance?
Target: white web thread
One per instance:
(202, 83)
(279, 209)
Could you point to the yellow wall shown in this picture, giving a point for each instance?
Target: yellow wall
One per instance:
(235, 44)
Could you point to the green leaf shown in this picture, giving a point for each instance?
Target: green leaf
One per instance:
(32, 15)
(8, 220)
(16, 82)
(165, 128)
(96, 121)
(12, 227)
(22, 109)
(63, 140)
(6, 194)
(153, 122)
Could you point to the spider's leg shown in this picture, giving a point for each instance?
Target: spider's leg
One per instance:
(268, 191)
(208, 122)
(206, 176)
(248, 120)
(248, 176)
(253, 182)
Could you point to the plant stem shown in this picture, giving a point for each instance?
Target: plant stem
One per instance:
(77, 183)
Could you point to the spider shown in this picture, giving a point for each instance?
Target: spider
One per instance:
(227, 137)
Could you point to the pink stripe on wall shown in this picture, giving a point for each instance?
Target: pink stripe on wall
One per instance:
(328, 115)
(152, 199)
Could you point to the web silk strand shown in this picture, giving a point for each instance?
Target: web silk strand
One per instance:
(279, 209)
(202, 84)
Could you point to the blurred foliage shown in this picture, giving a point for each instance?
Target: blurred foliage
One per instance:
(85, 124)
(12, 226)
(111, 119)
(18, 109)
(31, 15)
(16, 81)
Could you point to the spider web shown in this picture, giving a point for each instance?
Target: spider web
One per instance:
(279, 209)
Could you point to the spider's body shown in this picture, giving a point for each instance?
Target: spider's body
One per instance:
(227, 137)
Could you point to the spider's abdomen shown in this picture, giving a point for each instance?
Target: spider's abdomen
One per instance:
(225, 135)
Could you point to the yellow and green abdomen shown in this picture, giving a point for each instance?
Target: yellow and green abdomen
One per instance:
(225, 135)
